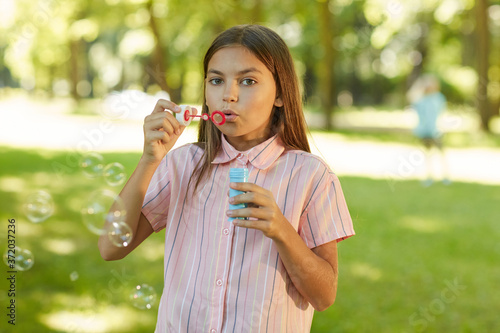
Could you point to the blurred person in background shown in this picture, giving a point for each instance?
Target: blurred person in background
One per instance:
(429, 103)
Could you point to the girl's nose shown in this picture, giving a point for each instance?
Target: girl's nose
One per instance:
(231, 93)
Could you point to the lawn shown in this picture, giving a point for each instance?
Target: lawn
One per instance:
(423, 259)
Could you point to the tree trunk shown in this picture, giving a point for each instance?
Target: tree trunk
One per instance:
(326, 67)
(159, 61)
(496, 108)
(483, 52)
(422, 48)
(310, 79)
(74, 68)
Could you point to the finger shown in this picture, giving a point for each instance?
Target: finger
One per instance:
(158, 116)
(164, 104)
(252, 224)
(251, 212)
(165, 121)
(155, 136)
(167, 126)
(247, 187)
(253, 198)
(158, 125)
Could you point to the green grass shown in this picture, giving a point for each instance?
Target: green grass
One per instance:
(411, 244)
(422, 257)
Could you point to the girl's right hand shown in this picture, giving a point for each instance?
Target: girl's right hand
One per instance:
(161, 131)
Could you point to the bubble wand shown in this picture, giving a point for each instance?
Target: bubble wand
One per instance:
(217, 117)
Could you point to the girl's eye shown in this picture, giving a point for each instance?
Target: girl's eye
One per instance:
(248, 82)
(215, 81)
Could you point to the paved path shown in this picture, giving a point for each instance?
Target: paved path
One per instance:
(23, 124)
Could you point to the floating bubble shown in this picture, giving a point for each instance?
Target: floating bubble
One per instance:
(18, 259)
(120, 234)
(114, 174)
(143, 296)
(39, 206)
(74, 276)
(97, 214)
(92, 164)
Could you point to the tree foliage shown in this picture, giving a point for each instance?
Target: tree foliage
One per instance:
(348, 52)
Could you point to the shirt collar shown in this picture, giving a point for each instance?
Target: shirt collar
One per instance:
(261, 156)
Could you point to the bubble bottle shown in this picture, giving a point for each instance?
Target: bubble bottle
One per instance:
(237, 175)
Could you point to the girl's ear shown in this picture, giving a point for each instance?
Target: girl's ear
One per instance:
(278, 102)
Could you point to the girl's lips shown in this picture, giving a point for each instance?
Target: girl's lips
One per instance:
(230, 115)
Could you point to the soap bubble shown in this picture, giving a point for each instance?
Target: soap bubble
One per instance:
(18, 259)
(114, 174)
(74, 276)
(39, 206)
(120, 234)
(143, 296)
(97, 212)
(92, 164)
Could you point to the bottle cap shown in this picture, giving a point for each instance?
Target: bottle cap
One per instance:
(238, 173)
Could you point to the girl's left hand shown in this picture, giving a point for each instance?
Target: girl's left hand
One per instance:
(261, 206)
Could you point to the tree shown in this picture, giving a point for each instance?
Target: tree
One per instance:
(326, 66)
(160, 58)
(483, 53)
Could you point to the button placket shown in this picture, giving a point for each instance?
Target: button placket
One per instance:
(241, 160)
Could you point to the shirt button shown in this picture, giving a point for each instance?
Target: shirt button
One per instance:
(213, 330)
(219, 282)
(225, 231)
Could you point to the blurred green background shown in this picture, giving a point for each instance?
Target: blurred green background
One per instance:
(79, 76)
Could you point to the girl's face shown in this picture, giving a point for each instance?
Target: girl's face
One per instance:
(241, 86)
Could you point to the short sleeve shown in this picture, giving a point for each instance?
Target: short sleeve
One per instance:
(326, 217)
(157, 199)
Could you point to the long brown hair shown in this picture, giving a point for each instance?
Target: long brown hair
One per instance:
(287, 122)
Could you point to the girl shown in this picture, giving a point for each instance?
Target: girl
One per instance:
(269, 270)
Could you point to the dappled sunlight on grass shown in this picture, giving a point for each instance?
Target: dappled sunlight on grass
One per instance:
(13, 184)
(153, 251)
(365, 270)
(31, 231)
(59, 246)
(423, 224)
(107, 320)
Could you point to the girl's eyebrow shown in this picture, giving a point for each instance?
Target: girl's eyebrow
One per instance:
(242, 72)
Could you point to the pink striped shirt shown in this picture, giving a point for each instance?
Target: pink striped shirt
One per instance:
(222, 278)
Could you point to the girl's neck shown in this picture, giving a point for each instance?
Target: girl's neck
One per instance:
(244, 144)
